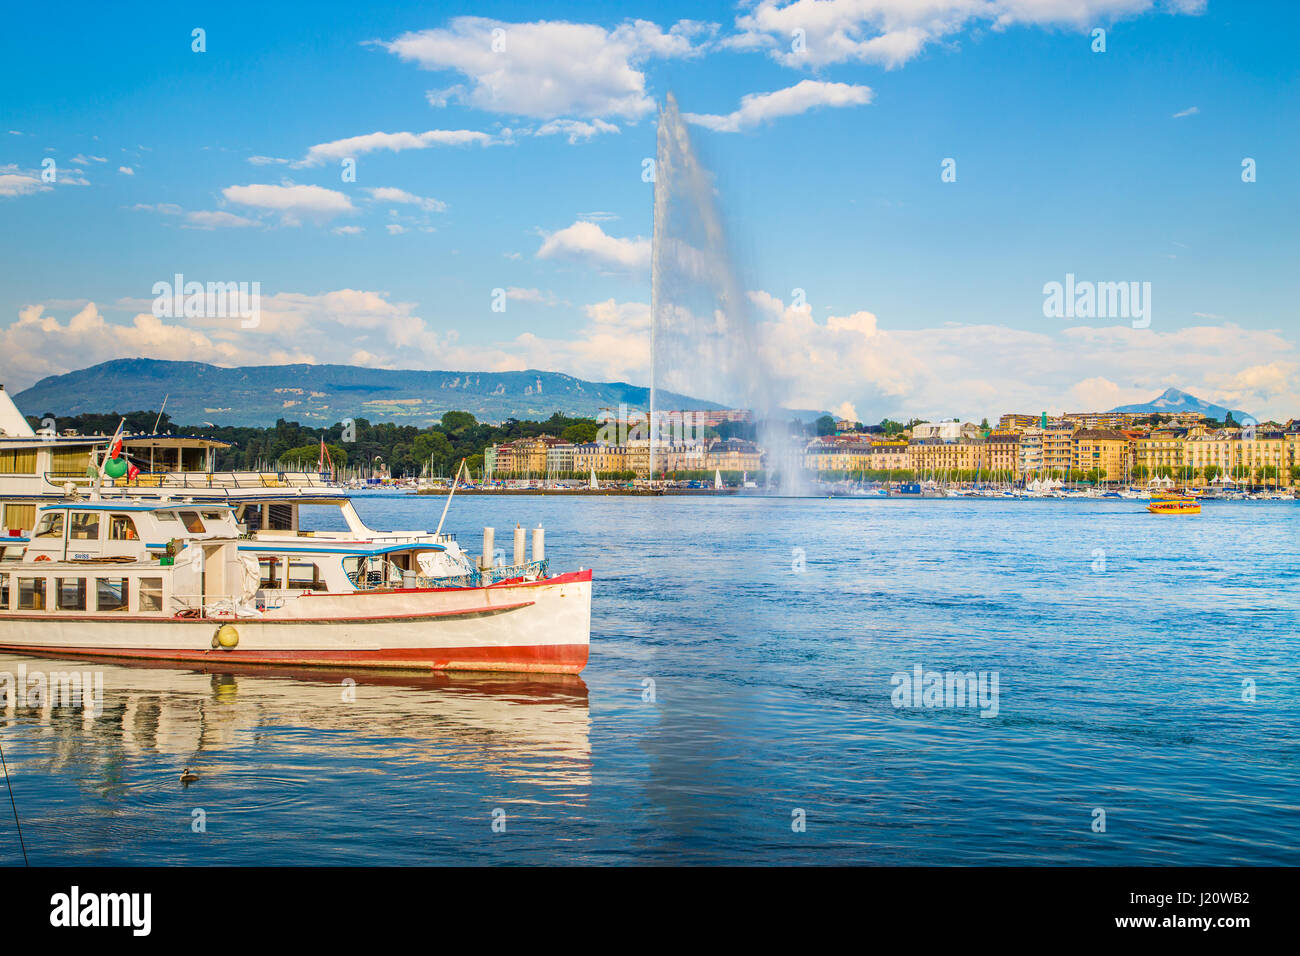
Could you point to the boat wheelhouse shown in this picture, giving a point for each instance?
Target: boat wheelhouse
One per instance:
(41, 468)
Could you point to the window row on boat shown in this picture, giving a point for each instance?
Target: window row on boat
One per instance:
(108, 592)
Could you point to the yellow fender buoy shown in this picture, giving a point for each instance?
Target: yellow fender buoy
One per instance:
(226, 636)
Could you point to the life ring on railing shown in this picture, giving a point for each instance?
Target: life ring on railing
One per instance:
(42, 557)
(189, 612)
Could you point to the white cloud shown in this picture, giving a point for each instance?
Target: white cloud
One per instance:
(537, 296)
(18, 182)
(294, 203)
(392, 194)
(345, 326)
(126, 170)
(757, 108)
(587, 242)
(354, 146)
(1190, 111)
(37, 345)
(394, 229)
(888, 33)
(348, 230)
(166, 208)
(81, 160)
(576, 129)
(974, 370)
(548, 69)
(850, 363)
(15, 181)
(214, 219)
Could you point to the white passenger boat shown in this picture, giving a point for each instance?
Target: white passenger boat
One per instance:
(167, 581)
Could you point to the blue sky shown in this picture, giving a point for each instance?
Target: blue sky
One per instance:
(522, 171)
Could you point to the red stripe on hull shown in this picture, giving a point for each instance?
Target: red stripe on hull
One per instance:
(542, 659)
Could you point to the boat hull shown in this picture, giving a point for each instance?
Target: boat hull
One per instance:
(536, 627)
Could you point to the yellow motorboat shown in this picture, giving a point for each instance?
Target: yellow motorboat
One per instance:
(1175, 506)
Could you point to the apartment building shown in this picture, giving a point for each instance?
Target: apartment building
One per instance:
(1104, 450)
(1058, 448)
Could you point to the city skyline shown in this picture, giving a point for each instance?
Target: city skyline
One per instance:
(488, 175)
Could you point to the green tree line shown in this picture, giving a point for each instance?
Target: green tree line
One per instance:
(402, 449)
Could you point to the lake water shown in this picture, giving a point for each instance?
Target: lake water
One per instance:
(740, 704)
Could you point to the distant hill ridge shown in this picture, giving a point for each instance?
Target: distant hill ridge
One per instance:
(324, 394)
(1173, 400)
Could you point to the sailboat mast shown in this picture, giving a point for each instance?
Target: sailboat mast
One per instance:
(654, 287)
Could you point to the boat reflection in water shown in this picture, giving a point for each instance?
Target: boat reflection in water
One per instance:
(536, 726)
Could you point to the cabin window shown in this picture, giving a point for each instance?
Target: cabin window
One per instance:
(69, 462)
(18, 517)
(121, 528)
(12, 553)
(150, 592)
(84, 526)
(270, 572)
(31, 594)
(111, 594)
(18, 461)
(51, 526)
(305, 576)
(191, 521)
(71, 593)
(4, 592)
(279, 517)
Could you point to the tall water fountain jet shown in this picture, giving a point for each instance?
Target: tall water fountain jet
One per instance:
(703, 337)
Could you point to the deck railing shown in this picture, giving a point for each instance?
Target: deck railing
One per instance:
(197, 480)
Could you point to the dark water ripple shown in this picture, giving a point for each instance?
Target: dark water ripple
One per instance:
(1122, 642)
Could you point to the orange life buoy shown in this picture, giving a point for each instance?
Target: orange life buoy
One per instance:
(42, 557)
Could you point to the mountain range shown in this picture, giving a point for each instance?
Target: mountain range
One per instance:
(325, 394)
(1172, 400)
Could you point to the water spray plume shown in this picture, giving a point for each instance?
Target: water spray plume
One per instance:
(704, 339)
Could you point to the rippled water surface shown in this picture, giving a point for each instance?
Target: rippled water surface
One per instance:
(1147, 667)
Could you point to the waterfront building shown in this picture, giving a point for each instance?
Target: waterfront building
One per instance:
(1158, 453)
(889, 455)
(689, 456)
(933, 456)
(1105, 450)
(1030, 452)
(1058, 448)
(500, 460)
(945, 431)
(1249, 459)
(1013, 420)
(530, 454)
(734, 454)
(1115, 420)
(1209, 454)
(559, 458)
(839, 457)
(638, 456)
(603, 459)
(1263, 457)
(1001, 454)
